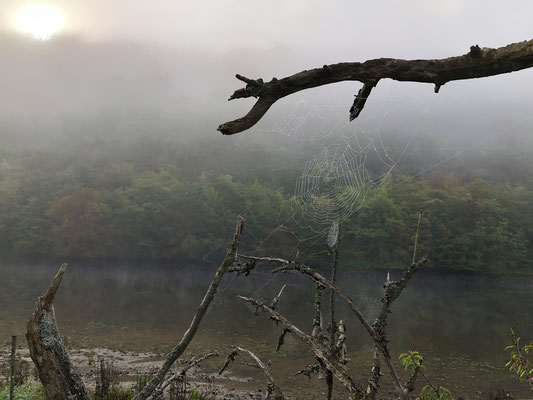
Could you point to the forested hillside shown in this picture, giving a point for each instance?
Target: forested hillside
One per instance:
(168, 200)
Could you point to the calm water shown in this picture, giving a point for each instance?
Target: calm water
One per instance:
(460, 323)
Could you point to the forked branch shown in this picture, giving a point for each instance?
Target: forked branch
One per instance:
(320, 351)
(477, 63)
(273, 390)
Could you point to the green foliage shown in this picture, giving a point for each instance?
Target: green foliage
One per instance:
(167, 201)
(194, 395)
(412, 360)
(520, 364)
(29, 390)
(441, 393)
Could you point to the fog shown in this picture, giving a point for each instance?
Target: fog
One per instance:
(138, 68)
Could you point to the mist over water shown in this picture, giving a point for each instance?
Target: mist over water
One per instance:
(452, 319)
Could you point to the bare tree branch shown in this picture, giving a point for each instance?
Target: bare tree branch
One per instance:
(275, 301)
(273, 390)
(281, 339)
(320, 351)
(178, 350)
(315, 276)
(179, 375)
(391, 291)
(477, 63)
(309, 370)
(378, 330)
(229, 360)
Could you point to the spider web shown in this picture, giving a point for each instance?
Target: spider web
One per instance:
(335, 180)
(332, 186)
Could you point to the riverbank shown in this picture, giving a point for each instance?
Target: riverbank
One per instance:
(129, 368)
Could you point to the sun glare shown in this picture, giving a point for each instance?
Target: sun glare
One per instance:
(39, 20)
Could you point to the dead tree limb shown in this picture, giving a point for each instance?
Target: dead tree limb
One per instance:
(275, 300)
(309, 370)
(316, 332)
(316, 277)
(56, 372)
(281, 339)
(320, 351)
(158, 393)
(391, 291)
(273, 390)
(477, 63)
(377, 331)
(375, 374)
(332, 322)
(178, 350)
(229, 360)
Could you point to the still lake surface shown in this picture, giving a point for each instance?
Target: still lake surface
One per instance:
(459, 322)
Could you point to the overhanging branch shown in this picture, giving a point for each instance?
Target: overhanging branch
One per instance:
(477, 63)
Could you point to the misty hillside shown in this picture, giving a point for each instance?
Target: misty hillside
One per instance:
(109, 150)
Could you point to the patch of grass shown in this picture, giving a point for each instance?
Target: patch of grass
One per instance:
(29, 390)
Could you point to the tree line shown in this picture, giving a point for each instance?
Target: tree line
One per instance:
(154, 202)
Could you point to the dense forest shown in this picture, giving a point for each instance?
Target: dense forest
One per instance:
(174, 200)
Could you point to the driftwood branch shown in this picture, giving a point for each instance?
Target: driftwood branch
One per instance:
(477, 63)
(50, 356)
(320, 351)
(178, 350)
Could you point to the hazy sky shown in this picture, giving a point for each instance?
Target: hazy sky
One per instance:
(178, 56)
(348, 28)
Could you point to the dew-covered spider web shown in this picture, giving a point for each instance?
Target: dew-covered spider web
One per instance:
(349, 158)
(332, 186)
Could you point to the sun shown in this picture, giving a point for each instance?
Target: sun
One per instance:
(39, 20)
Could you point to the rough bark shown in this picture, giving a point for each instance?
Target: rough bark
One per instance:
(391, 291)
(56, 372)
(178, 350)
(375, 374)
(477, 63)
